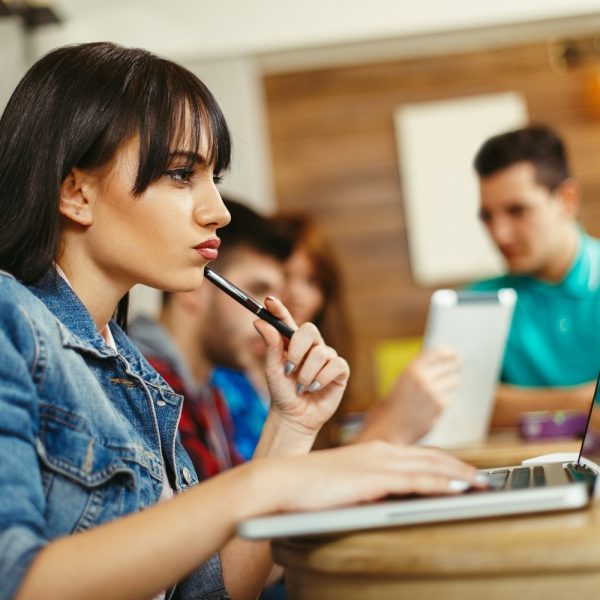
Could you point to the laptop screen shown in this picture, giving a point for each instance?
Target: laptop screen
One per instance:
(590, 447)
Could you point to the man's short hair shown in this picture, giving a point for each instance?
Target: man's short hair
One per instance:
(536, 144)
(250, 229)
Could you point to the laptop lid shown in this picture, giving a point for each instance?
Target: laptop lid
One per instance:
(589, 454)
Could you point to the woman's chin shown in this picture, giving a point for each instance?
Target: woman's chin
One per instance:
(186, 283)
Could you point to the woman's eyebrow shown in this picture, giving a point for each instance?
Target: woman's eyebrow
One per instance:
(189, 156)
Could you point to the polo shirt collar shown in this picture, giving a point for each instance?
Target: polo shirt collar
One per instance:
(584, 275)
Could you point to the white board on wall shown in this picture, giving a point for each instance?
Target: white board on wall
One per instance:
(437, 142)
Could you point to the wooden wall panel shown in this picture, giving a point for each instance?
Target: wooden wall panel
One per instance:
(334, 155)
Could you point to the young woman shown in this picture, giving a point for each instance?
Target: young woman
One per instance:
(313, 292)
(108, 163)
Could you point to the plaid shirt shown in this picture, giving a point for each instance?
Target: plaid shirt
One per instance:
(205, 426)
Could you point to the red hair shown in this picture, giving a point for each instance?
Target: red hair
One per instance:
(332, 320)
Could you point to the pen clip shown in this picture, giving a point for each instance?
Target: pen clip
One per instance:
(232, 290)
(250, 303)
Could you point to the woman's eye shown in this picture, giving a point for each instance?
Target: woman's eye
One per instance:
(181, 176)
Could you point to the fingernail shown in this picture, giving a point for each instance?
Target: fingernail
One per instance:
(314, 386)
(288, 368)
(458, 485)
(300, 388)
(270, 298)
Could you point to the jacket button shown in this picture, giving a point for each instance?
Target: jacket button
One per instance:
(187, 475)
(160, 402)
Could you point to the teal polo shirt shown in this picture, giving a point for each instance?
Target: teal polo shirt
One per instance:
(554, 339)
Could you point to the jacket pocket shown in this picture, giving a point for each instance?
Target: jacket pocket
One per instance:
(85, 483)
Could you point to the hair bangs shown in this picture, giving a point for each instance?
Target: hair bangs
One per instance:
(179, 115)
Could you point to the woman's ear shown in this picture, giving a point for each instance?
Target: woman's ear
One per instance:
(77, 198)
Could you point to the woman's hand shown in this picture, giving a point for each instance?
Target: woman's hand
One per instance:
(360, 473)
(307, 379)
(416, 400)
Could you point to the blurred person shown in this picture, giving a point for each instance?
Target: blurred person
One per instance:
(253, 256)
(206, 346)
(529, 203)
(170, 344)
(98, 498)
(313, 293)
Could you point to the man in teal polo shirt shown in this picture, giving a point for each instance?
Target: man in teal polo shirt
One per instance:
(529, 205)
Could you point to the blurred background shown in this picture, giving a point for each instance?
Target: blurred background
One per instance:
(366, 116)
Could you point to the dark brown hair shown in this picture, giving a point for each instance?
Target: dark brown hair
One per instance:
(536, 144)
(74, 108)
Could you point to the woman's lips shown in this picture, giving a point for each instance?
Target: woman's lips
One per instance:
(208, 250)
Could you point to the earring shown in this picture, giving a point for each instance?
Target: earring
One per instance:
(76, 212)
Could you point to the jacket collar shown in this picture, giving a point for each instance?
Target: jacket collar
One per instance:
(77, 328)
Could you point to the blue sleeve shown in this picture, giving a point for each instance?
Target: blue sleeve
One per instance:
(206, 583)
(21, 495)
(247, 409)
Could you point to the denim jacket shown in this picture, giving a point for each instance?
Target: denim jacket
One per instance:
(83, 430)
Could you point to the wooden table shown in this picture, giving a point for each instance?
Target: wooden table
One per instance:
(541, 557)
(544, 557)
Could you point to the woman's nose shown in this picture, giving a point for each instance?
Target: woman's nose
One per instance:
(211, 211)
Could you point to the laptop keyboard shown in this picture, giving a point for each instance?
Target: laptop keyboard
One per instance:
(525, 477)
(522, 477)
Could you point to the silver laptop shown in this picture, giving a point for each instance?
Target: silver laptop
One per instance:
(476, 325)
(566, 484)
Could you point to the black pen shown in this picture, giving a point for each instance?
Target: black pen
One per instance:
(250, 303)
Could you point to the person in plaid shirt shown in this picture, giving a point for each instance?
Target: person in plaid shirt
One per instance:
(203, 340)
(205, 425)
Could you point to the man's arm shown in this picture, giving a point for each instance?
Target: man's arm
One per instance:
(512, 401)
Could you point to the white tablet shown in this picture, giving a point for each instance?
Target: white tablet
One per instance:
(476, 324)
